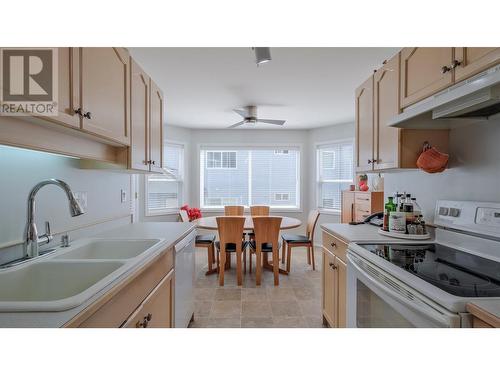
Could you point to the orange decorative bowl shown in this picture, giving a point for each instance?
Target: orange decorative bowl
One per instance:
(431, 160)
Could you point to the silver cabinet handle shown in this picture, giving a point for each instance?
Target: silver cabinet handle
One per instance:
(333, 266)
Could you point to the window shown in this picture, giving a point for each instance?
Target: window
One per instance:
(249, 176)
(281, 197)
(221, 159)
(164, 192)
(335, 171)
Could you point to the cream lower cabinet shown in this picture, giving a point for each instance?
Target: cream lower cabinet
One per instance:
(145, 299)
(334, 279)
(156, 310)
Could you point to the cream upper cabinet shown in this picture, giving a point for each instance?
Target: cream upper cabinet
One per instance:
(472, 60)
(139, 118)
(364, 126)
(68, 87)
(386, 106)
(105, 93)
(424, 71)
(156, 129)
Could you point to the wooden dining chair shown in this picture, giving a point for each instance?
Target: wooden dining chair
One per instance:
(267, 234)
(234, 210)
(231, 241)
(203, 240)
(259, 210)
(293, 240)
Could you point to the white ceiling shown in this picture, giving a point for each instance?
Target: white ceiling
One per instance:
(307, 87)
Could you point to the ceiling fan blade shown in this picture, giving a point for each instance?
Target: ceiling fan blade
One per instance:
(241, 112)
(268, 121)
(237, 124)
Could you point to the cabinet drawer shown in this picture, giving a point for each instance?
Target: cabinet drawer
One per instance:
(362, 198)
(363, 206)
(360, 215)
(156, 310)
(335, 246)
(117, 309)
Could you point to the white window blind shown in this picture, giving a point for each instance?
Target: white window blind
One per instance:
(249, 176)
(164, 192)
(335, 170)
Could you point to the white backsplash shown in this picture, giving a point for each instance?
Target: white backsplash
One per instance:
(474, 172)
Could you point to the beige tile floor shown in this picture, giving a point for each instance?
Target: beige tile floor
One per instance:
(295, 303)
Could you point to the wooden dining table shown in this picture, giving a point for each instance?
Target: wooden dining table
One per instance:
(210, 223)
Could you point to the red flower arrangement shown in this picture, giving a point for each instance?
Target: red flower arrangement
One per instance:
(193, 212)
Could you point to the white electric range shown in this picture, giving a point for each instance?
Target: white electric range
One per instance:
(428, 284)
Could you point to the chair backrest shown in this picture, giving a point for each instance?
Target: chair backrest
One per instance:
(184, 216)
(259, 210)
(312, 220)
(230, 230)
(234, 210)
(267, 230)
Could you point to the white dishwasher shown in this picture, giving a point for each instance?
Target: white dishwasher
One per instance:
(184, 281)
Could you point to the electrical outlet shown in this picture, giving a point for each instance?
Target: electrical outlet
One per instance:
(81, 198)
(123, 194)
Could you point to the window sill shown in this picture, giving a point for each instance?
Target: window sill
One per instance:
(173, 211)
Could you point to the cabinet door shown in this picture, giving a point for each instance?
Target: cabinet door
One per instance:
(341, 288)
(68, 87)
(156, 310)
(364, 126)
(156, 129)
(105, 92)
(347, 214)
(424, 72)
(139, 118)
(386, 106)
(473, 60)
(329, 286)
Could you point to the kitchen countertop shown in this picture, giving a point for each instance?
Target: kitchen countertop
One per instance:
(488, 311)
(170, 233)
(361, 233)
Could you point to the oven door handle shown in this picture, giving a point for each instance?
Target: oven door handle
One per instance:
(425, 306)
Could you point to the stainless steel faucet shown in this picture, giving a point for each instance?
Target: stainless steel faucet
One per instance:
(32, 240)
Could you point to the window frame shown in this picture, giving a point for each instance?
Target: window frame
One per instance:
(204, 147)
(322, 145)
(180, 181)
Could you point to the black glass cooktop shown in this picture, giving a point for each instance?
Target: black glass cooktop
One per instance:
(454, 271)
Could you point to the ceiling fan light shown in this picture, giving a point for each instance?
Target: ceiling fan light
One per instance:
(262, 55)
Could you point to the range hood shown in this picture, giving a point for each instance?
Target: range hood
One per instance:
(475, 99)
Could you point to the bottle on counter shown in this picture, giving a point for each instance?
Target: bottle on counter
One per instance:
(408, 209)
(417, 210)
(389, 207)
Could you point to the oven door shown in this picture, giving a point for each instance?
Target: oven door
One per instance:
(375, 299)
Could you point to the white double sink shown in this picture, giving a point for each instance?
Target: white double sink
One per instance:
(70, 276)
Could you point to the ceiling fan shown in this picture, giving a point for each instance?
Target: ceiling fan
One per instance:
(249, 115)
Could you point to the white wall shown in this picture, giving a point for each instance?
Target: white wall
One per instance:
(474, 172)
(306, 139)
(21, 169)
